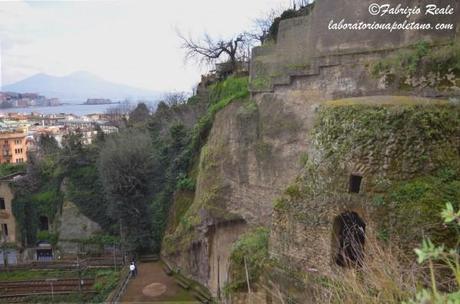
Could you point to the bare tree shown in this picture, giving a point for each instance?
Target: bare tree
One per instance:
(210, 51)
(261, 27)
(175, 98)
(118, 113)
(301, 3)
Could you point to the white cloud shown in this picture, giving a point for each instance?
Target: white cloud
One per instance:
(132, 42)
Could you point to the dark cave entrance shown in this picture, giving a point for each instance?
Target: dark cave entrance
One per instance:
(350, 235)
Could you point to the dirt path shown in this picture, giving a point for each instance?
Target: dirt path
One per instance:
(152, 285)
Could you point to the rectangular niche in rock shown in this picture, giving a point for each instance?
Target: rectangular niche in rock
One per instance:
(355, 183)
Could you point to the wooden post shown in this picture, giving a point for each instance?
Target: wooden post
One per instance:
(114, 257)
(247, 276)
(218, 277)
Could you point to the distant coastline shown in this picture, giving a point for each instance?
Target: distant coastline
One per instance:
(95, 101)
(102, 103)
(67, 108)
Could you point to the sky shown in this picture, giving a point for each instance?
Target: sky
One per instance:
(132, 42)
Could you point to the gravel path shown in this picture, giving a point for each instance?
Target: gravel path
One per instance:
(152, 275)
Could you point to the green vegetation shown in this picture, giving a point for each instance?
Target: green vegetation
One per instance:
(408, 154)
(422, 65)
(24, 275)
(48, 236)
(173, 151)
(261, 83)
(430, 253)
(8, 169)
(185, 183)
(250, 251)
(356, 130)
(111, 181)
(126, 167)
(84, 189)
(37, 194)
(287, 14)
(222, 93)
(105, 281)
(414, 206)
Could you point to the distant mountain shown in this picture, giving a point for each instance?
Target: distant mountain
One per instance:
(77, 87)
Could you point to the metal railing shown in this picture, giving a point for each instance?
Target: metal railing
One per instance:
(116, 295)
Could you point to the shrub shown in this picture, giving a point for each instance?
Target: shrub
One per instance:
(251, 250)
(421, 65)
(185, 183)
(287, 14)
(430, 253)
(8, 169)
(52, 238)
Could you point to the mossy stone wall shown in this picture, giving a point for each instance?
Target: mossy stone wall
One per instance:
(398, 148)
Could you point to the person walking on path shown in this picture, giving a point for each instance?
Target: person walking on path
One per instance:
(135, 266)
(132, 269)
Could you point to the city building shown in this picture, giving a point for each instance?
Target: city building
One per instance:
(7, 219)
(8, 236)
(13, 145)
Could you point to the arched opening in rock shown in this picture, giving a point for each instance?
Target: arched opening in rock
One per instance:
(43, 223)
(350, 235)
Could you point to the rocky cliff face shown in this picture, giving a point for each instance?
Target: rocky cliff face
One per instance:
(267, 160)
(250, 155)
(72, 225)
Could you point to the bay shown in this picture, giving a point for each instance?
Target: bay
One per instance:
(76, 109)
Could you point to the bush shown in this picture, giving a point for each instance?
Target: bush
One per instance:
(430, 253)
(8, 169)
(222, 94)
(288, 14)
(251, 248)
(52, 238)
(421, 65)
(185, 183)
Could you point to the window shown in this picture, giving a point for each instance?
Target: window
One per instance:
(17, 141)
(2, 203)
(349, 235)
(5, 229)
(355, 183)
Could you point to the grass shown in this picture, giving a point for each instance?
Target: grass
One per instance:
(386, 276)
(23, 275)
(421, 65)
(387, 101)
(382, 279)
(39, 274)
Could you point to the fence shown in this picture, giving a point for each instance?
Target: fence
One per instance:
(116, 295)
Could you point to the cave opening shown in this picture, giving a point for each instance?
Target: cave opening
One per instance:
(350, 235)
